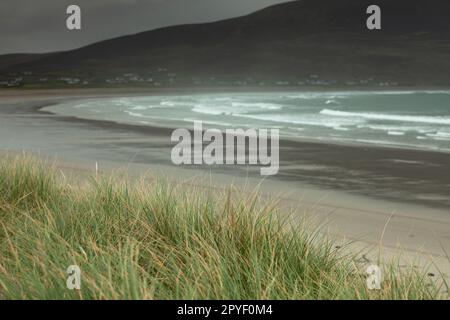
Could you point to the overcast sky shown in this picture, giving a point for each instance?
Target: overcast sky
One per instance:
(40, 25)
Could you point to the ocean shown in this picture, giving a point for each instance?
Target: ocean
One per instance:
(404, 119)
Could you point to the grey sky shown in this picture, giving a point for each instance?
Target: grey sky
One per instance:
(40, 25)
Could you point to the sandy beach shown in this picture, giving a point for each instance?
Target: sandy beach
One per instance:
(388, 200)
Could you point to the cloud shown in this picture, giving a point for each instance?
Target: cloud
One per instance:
(39, 26)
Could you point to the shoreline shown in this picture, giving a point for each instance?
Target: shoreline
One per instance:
(334, 159)
(105, 93)
(414, 157)
(148, 128)
(40, 108)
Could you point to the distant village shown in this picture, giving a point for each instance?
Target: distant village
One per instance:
(164, 78)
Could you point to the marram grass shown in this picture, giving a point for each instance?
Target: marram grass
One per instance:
(151, 240)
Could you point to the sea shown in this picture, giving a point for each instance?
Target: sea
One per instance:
(403, 119)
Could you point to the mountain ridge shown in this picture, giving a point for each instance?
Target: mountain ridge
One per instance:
(288, 42)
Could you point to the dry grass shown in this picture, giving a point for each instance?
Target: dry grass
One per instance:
(158, 241)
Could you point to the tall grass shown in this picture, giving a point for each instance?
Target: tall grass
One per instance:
(158, 241)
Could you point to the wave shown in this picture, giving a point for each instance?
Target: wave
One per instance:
(402, 128)
(217, 123)
(332, 102)
(347, 94)
(301, 120)
(440, 135)
(171, 103)
(388, 117)
(396, 133)
(210, 110)
(236, 108)
(257, 106)
(135, 114)
(82, 105)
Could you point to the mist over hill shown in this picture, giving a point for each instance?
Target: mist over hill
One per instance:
(308, 42)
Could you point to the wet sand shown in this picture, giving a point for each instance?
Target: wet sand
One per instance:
(371, 196)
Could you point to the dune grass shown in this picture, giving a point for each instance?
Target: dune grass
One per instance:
(153, 240)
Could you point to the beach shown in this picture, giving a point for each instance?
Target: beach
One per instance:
(368, 198)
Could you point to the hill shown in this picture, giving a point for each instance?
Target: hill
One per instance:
(305, 42)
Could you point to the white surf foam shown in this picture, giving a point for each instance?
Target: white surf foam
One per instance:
(440, 136)
(305, 120)
(256, 106)
(388, 117)
(396, 133)
(210, 110)
(235, 108)
(332, 102)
